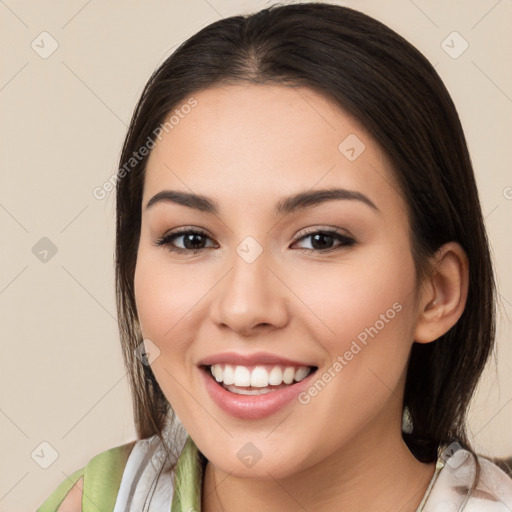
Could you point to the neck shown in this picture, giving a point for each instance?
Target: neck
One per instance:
(371, 473)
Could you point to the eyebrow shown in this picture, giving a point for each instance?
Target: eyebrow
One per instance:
(284, 206)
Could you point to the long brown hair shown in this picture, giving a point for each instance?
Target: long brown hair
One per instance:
(391, 88)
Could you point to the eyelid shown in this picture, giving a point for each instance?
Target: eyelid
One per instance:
(325, 229)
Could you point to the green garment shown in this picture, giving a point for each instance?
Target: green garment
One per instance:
(103, 475)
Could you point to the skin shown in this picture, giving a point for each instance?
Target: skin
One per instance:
(247, 146)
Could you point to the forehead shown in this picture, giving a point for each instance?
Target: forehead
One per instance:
(248, 143)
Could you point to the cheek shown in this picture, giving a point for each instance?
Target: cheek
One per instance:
(371, 289)
(164, 297)
(366, 332)
(165, 300)
(362, 313)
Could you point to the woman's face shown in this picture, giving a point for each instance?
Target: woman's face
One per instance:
(267, 288)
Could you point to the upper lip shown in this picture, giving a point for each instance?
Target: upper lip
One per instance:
(250, 359)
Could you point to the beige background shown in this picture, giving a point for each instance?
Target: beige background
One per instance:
(63, 121)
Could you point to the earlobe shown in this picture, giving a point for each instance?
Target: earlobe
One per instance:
(442, 302)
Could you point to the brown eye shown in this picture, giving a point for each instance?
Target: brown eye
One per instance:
(321, 241)
(192, 240)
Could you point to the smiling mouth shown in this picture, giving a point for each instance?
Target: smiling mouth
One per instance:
(257, 379)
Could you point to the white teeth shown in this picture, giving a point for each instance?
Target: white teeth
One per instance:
(217, 373)
(242, 376)
(229, 374)
(275, 377)
(246, 391)
(301, 373)
(288, 375)
(259, 377)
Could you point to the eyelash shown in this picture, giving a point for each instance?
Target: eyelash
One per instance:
(165, 241)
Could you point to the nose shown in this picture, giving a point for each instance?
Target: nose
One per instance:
(251, 298)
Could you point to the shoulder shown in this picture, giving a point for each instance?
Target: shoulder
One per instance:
(73, 500)
(494, 488)
(105, 467)
(111, 458)
(455, 487)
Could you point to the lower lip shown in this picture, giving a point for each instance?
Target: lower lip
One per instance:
(252, 407)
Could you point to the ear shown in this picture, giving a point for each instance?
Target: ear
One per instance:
(443, 297)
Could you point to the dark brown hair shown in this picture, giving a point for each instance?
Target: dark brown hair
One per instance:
(390, 87)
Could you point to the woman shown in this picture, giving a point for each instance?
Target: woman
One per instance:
(305, 375)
